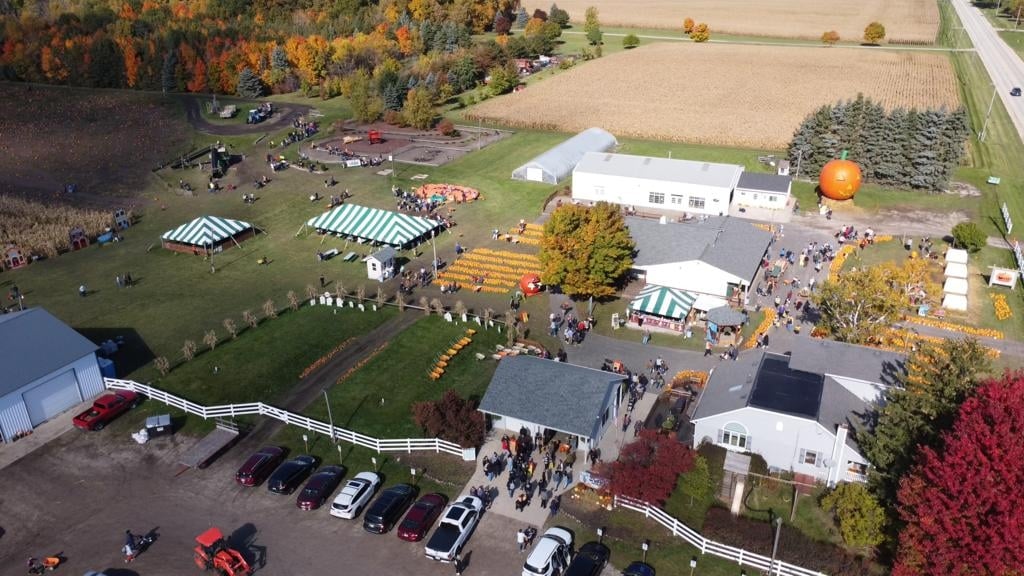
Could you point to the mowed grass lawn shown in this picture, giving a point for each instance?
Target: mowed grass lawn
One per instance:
(264, 362)
(399, 375)
(176, 297)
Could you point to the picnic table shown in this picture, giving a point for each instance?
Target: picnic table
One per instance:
(350, 257)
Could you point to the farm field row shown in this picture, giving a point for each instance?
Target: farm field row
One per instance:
(733, 95)
(906, 21)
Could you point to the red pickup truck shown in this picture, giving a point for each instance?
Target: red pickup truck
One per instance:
(105, 409)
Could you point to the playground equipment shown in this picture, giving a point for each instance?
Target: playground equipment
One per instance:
(13, 258)
(77, 238)
(121, 219)
(213, 553)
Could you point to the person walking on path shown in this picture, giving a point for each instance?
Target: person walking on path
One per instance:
(555, 504)
(707, 348)
(82, 290)
(458, 565)
(521, 539)
(545, 497)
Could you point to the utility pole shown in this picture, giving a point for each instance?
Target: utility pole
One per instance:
(330, 418)
(1017, 23)
(991, 102)
(775, 546)
(799, 158)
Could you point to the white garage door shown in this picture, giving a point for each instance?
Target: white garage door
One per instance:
(52, 397)
(534, 174)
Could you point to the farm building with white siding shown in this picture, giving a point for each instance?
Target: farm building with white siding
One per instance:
(47, 369)
(649, 183)
(762, 190)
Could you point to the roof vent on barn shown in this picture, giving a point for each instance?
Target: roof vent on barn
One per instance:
(608, 158)
(647, 161)
(705, 167)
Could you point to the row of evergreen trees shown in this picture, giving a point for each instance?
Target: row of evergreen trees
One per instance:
(901, 148)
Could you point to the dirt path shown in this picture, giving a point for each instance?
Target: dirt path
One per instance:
(282, 118)
(309, 389)
(894, 222)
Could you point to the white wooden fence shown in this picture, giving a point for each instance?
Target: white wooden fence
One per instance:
(292, 419)
(738, 555)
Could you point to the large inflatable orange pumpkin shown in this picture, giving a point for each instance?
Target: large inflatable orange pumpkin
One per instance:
(840, 179)
(530, 284)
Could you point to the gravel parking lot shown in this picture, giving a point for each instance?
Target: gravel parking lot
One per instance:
(78, 494)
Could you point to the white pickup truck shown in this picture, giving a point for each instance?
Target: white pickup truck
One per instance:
(454, 529)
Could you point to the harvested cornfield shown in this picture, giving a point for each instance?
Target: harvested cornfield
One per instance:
(906, 21)
(42, 229)
(721, 94)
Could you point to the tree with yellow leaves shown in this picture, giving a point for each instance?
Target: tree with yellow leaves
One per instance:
(586, 251)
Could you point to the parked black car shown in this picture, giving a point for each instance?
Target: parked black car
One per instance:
(388, 508)
(589, 561)
(289, 475)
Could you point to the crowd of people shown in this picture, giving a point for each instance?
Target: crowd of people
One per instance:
(573, 329)
(537, 469)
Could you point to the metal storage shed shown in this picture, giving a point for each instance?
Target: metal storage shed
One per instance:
(47, 369)
(557, 164)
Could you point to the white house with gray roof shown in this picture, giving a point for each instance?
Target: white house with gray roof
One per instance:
(715, 258)
(759, 190)
(47, 369)
(797, 410)
(538, 394)
(661, 184)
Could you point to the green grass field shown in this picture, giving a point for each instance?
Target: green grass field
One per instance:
(264, 362)
(399, 376)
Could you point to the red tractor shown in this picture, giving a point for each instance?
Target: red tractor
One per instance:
(213, 553)
(374, 137)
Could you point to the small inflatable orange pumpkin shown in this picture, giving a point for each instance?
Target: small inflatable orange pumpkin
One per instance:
(840, 179)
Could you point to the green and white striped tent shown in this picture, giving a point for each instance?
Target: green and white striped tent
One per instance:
(205, 231)
(373, 224)
(662, 301)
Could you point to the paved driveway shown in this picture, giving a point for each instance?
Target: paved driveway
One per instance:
(78, 495)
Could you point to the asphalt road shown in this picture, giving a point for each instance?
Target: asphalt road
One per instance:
(1003, 65)
(79, 493)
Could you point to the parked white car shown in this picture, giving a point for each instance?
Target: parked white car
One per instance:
(551, 555)
(456, 525)
(354, 496)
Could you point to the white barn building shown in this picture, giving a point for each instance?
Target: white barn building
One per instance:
(47, 369)
(798, 410)
(646, 182)
(718, 258)
(763, 191)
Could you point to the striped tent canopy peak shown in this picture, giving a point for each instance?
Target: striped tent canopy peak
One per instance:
(373, 224)
(663, 301)
(206, 231)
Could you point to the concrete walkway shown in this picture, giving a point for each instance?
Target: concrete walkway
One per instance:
(11, 452)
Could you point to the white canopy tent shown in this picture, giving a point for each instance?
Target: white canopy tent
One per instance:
(955, 286)
(954, 302)
(955, 270)
(956, 256)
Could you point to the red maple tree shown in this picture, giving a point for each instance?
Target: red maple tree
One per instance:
(964, 503)
(648, 467)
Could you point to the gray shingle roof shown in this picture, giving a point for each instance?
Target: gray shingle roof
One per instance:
(840, 406)
(764, 182)
(662, 169)
(726, 316)
(730, 244)
(34, 343)
(553, 394)
(730, 385)
(384, 254)
(839, 359)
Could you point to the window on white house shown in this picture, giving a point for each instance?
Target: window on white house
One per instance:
(856, 468)
(810, 457)
(696, 202)
(772, 197)
(656, 198)
(676, 199)
(735, 434)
